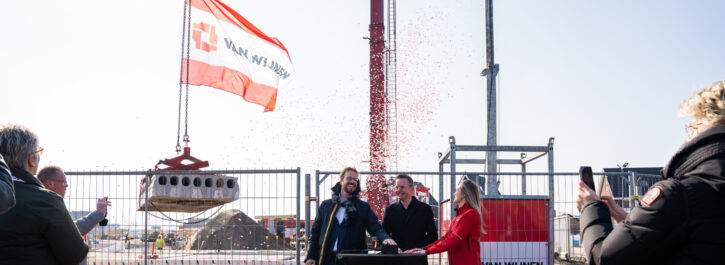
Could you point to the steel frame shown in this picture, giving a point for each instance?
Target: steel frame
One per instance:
(449, 157)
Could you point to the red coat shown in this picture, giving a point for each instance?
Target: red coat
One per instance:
(461, 240)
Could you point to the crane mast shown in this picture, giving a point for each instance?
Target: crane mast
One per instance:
(377, 190)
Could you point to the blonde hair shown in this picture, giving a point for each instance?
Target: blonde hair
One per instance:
(472, 196)
(707, 105)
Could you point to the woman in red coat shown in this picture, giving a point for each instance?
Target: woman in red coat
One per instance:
(461, 240)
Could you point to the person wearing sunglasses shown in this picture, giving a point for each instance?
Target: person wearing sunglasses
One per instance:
(680, 219)
(38, 230)
(341, 222)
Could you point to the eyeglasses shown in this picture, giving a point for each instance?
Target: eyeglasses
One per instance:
(349, 178)
(40, 150)
(692, 128)
(60, 180)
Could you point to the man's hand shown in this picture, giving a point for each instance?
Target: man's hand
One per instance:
(585, 195)
(389, 241)
(310, 262)
(615, 210)
(102, 205)
(415, 251)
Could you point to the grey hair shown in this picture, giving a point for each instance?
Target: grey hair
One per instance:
(17, 144)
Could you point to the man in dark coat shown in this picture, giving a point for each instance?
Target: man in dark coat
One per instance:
(7, 189)
(409, 222)
(341, 223)
(38, 230)
(54, 179)
(681, 220)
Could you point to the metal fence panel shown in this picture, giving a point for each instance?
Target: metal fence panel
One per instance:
(260, 224)
(567, 230)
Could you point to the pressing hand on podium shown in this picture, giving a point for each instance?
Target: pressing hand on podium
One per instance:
(415, 251)
(310, 262)
(390, 242)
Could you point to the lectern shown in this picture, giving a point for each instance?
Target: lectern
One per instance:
(382, 259)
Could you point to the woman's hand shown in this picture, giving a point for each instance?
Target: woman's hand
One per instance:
(414, 251)
(616, 211)
(585, 195)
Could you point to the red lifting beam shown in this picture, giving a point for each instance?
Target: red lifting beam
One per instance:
(177, 163)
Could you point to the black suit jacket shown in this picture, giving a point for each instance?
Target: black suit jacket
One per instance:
(416, 230)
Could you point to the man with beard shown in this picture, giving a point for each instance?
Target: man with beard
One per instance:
(409, 221)
(341, 223)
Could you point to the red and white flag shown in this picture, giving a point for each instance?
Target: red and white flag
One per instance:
(229, 53)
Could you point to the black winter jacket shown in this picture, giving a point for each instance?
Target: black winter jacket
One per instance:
(38, 230)
(7, 189)
(354, 239)
(684, 224)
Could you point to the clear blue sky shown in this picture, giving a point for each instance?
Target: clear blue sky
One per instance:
(97, 81)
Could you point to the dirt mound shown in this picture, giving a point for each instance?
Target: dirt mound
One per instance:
(232, 229)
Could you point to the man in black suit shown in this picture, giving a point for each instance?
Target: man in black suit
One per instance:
(409, 222)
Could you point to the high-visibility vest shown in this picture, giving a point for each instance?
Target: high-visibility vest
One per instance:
(160, 243)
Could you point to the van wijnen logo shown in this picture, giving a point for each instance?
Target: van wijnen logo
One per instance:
(204, 37)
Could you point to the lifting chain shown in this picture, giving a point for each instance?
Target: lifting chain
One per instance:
(185, 39)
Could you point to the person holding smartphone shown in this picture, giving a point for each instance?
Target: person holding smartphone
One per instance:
(680, 219)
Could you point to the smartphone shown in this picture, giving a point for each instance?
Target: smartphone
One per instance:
(585, 174)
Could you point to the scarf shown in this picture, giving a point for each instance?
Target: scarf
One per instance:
(348, 203)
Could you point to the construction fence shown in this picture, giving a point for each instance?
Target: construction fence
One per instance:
(221, 216)
(260, 216)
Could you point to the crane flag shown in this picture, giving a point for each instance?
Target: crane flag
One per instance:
(229, 53)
